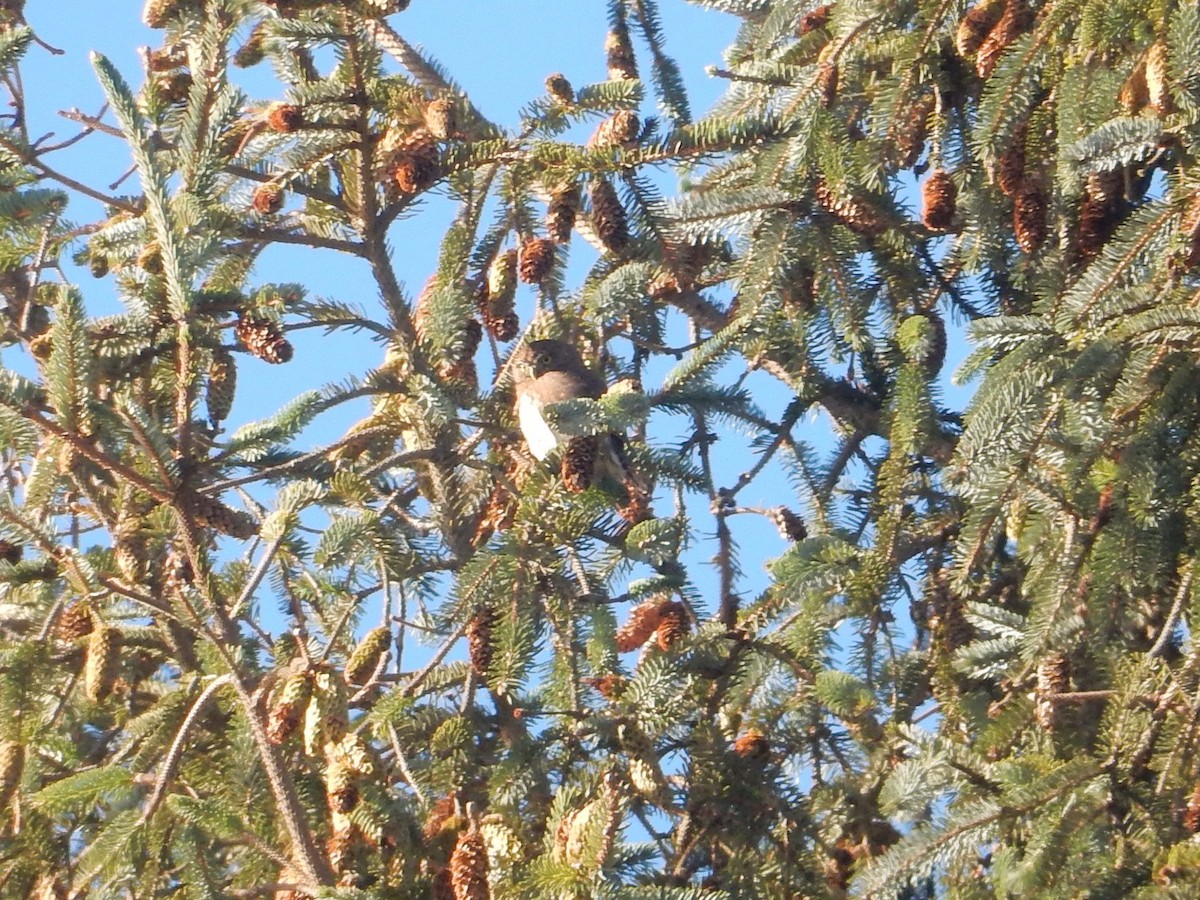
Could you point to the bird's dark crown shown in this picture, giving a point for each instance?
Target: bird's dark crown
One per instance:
(552, 356)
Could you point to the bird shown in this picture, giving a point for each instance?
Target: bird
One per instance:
(552, 371)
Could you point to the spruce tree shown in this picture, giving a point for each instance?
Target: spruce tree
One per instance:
(970, 673)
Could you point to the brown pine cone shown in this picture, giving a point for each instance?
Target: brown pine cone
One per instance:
(813, 20)
(1094, 227)
(608, 216)
(938, 195)
(340, 788)
(1134, 95)
(561, 212)
(503, 328)
(610, 687)
(790, 526)
(827, 84)
(1191, 819)
(643, 621)
(287, 708)
(752, 745)
(251, 53)
(1015, 20)
(636, 507)
(618, 130)
(501, 283)
(479, 640)
(1158, 90)
(263, 338)
(976, 25)
(1010, 166)
(579, 463)
(853, 212)
(103, 662)
(367, 655)
(618, 50)
(12, 764)
(1029, 216)
(74, 623)
(908, 134)
(414, 162)
(222, 384)
(10, 552)
(536, 259)
(268, 199)
(560, 89)
(441, 118)
(1053, 677)
(284, 117)
(673, 624)
(469, 868)
(209, 512)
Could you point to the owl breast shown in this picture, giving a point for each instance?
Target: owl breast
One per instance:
(538, 435)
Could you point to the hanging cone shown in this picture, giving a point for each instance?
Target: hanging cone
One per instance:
(268, 199)
(673, 624)
(618, 50)
(367, 655)
(827, 84)
(288, 707)
(501, 283)
(637, 507)
(12, 764)
(1029, 216)
(479, 641)
(1191, 818)
(1016, 19)
(643, 621)
(618, 130)
(263, 338)
(441, 118)
(853, 212)
(284, 117)
(561, 212)
(209, 512)
(9, 552)
(976, 25)
(608, 216)
(560, 89)
(813, 20)
(327, 717)
(579, 463)
(1134, 95)
(536, 259)
(1053, 677)
(1158, 90)
(74, 623)
(1094, 227)
(469, 868)
(503, 328)
(414, 163)
(910, 132)
(340, 788)
(1010, 166)
(752, 745)
(937, 200)
(102, 664)
(221, 386)
(610, 687)
(252, 52)
(790, 526)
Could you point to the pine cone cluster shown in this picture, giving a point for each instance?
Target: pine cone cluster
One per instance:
(469, 868)
(561, 212)
(536, 259)
(661, 617)
(608, 216)
(288, 707)
(618, 130)
(1014, 21)
(367, 655)
(412, 160)
(618, 51)
(791, 526)
(853, 212)
(559, 88)
(579, 463)
(102, 663)
(938, 196)
(263, 338)
(221, 387)
(285, 118)
(268, 199)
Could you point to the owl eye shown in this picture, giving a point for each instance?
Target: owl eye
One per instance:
(545, 359)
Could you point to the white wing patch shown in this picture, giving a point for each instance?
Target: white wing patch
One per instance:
(538, 436)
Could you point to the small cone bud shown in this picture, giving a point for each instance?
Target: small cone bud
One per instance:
(263, 338)
(12, 764)
(579, 463)
(289, 705)
(937, 200)
(479, 641)
(813, 20)
(643, 622)
(284, 117)
(469, 868)
(791, 526)
(536, 259)
(608, 216)
(561, 212)
(367, 655)
(1029, 217)
(976, 25)
(673, 624)
(618, 50)
(103, 663)
(560, 89)
(441, 118)
(222, 384)
(1015, 20)
(268, 199)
